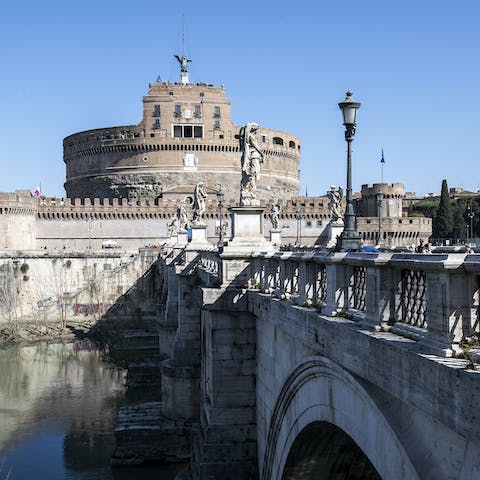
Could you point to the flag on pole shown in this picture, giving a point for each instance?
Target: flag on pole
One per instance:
(382, 159)
(37, 191)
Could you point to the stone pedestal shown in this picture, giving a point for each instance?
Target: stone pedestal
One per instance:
(276, 237)
(334, 230)
(172, 240)
(199, 236)
(247, 231)
(182, 238)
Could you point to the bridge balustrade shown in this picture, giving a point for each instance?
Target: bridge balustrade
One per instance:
(432, 298)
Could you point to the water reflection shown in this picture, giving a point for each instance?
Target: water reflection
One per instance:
(57, 410)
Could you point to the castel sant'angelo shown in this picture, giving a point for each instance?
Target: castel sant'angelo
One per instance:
(186, 136)
(124, 183)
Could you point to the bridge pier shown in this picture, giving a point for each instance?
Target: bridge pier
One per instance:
(181, 372)
(169, 311)
(226, 446)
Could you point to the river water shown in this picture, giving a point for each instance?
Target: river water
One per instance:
(58, 404)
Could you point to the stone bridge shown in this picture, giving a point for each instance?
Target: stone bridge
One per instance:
(323, 365)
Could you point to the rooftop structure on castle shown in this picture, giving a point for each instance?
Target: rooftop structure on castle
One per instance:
(186, 136)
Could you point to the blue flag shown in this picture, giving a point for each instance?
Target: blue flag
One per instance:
(382, 160)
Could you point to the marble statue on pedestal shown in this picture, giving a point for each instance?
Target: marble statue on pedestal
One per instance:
(252, 158)
(335, 195)
(172, 227)
(274, 214)
(200, 196)
(182, 217)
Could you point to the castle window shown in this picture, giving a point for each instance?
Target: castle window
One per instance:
(157, 123)
(178, 110)
(291, 144)
(264, 139)
(198, 111)
(216, 111)
(216, 125)
(171, 94)
(277, 141)
(187, 131)
(156, 111)
(202, 94)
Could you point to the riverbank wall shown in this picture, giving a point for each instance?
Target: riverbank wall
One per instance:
(43, 293)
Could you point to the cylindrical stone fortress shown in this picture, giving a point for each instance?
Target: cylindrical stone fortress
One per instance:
(186, 136)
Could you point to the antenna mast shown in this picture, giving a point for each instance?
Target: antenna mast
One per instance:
(183, 60)
(183, 34)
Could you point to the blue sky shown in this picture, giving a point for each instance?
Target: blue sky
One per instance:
(70, 66)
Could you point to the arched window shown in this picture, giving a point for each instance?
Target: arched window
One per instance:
(291, 144)
(277, 141)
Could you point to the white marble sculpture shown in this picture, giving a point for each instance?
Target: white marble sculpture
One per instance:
(200, 197)
(172, 227)
(182, 217)
(335, 196)
(274, 214)
(252, 158)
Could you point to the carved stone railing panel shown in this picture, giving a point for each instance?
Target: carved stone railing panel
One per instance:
(359, 288)
(295, 272)
(320, 284)
(413, 298)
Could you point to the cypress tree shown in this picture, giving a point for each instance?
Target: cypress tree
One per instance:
(443, 222)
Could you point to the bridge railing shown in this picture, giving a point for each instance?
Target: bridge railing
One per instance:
(432, 298)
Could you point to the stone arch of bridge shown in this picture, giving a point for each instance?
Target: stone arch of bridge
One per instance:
(320, 391)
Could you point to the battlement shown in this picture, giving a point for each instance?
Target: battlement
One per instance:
(20, 202)
(389, 190)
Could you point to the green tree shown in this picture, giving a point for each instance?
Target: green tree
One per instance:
(443, 221)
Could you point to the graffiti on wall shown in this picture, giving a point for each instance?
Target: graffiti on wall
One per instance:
(78, 309)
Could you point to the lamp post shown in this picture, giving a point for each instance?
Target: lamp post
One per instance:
(380, 218)
(470, 215)
(89, 226)
(298, 216)
(349, 239)
(220, 197)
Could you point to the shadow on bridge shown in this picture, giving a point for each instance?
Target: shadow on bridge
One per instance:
(323, 451)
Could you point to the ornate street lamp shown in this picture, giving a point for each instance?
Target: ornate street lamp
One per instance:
(89, 226)
(298, 217)
(380, 218)
(349, 239)
(470, 215)
(220, 197)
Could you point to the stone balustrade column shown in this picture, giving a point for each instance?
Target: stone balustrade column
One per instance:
(380, 295)
(302, 282)
(270, 266)
(338, 285)
(282, 275)
(447, 308)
